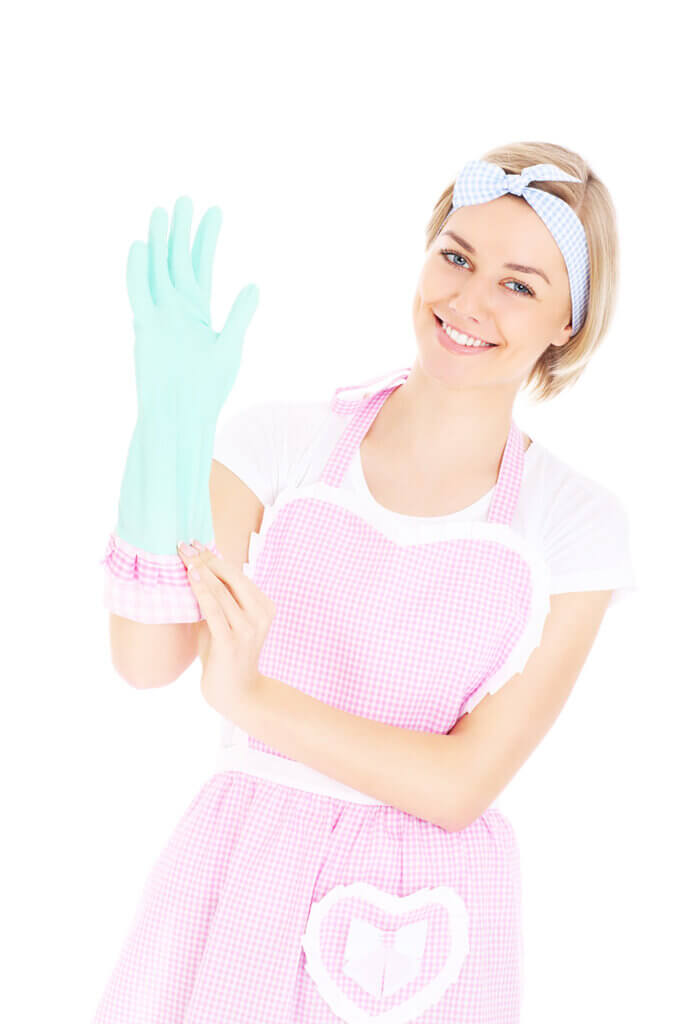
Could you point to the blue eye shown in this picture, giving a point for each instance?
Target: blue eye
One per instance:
(450, 252)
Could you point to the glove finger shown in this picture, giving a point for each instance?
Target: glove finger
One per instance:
(231, 338)
(204, 248)
(160, 282)
(180, 267)
(242, 311)
(137, 282)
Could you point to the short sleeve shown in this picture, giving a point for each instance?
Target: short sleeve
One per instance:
(588, 544)
(248, 443)
(270, 445)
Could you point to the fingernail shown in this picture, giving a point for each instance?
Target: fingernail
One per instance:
(197, 545)
(186, 549)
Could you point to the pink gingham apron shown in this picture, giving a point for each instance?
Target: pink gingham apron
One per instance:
(286, 896)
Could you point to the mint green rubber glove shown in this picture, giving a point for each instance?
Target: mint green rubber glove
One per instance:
(184, 371)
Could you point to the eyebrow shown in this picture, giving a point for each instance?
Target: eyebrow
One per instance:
(513, 266)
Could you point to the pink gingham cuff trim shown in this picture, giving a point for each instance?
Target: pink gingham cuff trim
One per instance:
(147, 587)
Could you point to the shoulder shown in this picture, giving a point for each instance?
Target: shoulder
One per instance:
(581, 525)
(347, 398)
(263, 442)
(303, 427)
(568, 492)
(281, 442)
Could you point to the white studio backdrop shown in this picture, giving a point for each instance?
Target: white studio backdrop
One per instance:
(325, 133)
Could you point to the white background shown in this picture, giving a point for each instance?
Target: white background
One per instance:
(325, 133)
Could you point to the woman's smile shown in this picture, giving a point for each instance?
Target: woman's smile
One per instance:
(446, 339)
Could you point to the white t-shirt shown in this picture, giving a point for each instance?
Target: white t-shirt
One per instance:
(579, 525)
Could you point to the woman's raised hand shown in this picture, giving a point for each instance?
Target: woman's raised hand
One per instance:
(177, 354)
(184, 371)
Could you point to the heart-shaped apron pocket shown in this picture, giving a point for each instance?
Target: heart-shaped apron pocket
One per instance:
(384, 958)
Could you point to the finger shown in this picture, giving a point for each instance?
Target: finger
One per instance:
(209, 583)
(180, 267)
(211, 607)
(137, 282)
(246, 594)
(204, 248)
(160, 282)
(205, 558)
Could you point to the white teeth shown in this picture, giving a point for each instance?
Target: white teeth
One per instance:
(462, 339)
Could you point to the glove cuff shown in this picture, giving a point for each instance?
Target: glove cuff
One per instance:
(147, 587)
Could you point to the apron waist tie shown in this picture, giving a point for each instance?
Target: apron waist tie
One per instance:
(240, 758)
(236, 755)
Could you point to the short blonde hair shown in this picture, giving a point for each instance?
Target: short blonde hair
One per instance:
(561, 366)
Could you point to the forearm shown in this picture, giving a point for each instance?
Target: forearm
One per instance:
(148, 486)
(149, 655)
(164, 494)
(409, 769)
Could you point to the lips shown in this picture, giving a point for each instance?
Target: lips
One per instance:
(440, 321)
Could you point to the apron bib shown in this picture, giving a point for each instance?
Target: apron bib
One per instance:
(409, 623)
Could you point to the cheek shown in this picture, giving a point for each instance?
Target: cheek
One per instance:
(519, 314)
(434, 281)
(524, 329)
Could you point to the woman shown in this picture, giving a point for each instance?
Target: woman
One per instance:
(390, 654)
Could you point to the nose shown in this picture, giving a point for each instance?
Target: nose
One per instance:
(470, 302)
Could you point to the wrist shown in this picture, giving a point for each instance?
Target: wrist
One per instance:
(246, 704)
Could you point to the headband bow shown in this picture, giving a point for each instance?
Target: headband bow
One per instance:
(480, 181)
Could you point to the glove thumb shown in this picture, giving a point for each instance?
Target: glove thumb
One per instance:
(231, 338)
(240, 315)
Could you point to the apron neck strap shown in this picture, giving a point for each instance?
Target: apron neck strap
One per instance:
(506, 492)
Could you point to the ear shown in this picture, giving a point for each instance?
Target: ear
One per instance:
(564, 336)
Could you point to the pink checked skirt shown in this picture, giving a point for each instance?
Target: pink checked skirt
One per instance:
(217, 937)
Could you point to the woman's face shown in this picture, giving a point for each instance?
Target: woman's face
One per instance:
(465, 281)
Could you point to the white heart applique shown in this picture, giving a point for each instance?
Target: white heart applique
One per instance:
(382, 960)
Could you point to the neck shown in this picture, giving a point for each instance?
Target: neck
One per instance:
(432, 423)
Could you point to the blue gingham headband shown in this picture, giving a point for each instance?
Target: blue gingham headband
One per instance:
(479, 181)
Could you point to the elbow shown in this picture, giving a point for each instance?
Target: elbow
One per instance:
(461, 807)
(457, 824)
(458, 819)
(143, 682)
(150, 655)
(465, 786)
(470, 806)
(451, 820)
(149, 684)
(448, 815)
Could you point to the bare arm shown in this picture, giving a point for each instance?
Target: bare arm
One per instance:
(446, 778)
(149, 655)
